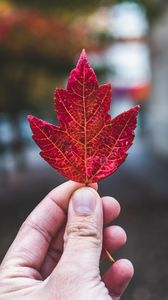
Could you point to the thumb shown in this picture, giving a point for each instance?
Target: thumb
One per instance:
(83, 234)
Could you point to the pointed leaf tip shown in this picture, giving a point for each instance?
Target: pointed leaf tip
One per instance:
(83, 52)
(29, 117)
(138, 107)
(83, 60)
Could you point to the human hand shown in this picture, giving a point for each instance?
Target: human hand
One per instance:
(57, 250)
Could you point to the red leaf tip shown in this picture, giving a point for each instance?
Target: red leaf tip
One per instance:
(137, 108)
(83, 53)
(83, 60)
(29, 117)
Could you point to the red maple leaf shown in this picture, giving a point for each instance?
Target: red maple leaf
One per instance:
(88, 145)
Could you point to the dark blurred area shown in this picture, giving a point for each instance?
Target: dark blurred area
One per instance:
(127, 44)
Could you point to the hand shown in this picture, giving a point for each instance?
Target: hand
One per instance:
(58, 248)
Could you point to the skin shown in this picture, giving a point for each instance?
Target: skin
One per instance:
(57, 251)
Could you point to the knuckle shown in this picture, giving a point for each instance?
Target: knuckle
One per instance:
(83, 228)
(33, 226)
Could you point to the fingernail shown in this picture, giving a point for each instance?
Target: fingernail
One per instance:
(84, 201)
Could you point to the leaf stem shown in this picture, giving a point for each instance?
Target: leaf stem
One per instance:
(109, 256)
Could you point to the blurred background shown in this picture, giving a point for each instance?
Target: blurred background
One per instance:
(127, 44)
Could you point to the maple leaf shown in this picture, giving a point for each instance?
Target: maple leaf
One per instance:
(88, 145)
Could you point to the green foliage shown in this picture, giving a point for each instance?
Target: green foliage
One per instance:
(154, 7)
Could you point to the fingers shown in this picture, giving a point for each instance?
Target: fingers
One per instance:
(33, 239)
(111, 209)
(83, 243)
(114, 237)
(118, 277)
